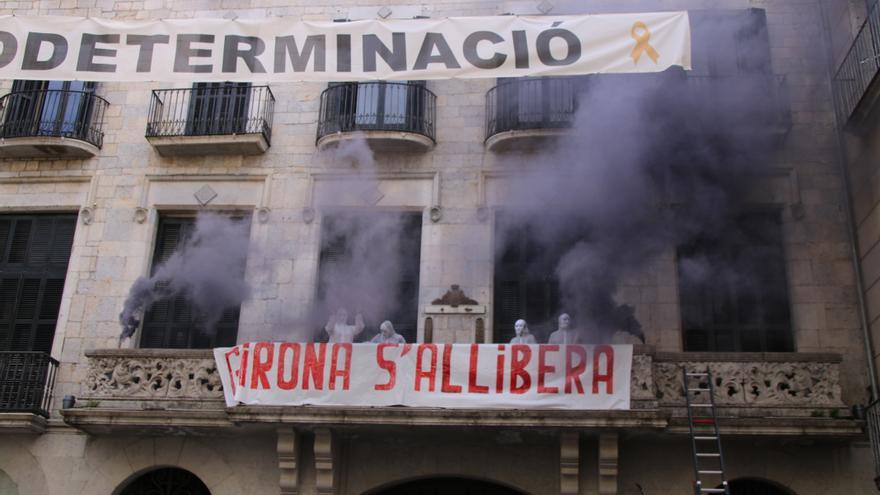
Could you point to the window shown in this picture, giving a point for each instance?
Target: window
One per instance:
(377, 106)
(171, 322)
(34, 252)
(49, 108)
(218, 108)
(733, 289)
(341, 232)
(525, 282)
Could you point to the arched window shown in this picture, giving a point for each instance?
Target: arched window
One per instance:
(752, 486)
(166, 481)
(446, 486)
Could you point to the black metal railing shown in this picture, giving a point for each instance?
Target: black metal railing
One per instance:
(53, 113)
(859, 67)
(212, 110)
(533, 103)
(26, 382)
(377, 106)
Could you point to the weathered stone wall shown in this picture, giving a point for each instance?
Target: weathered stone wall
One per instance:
(114, 249)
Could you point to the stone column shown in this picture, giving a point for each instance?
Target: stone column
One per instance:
(608, 463)
(324, 461)
(288, 460)
(569, 458)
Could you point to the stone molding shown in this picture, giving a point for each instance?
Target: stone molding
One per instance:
(608, 459)
(324, 461)
(569, 462)
(288, 465)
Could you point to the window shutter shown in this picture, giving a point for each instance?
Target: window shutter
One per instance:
(171, 322)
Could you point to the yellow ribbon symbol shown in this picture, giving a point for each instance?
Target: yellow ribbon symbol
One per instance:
(642, 44)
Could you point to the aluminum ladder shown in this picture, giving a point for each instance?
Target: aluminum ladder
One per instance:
(699, 392)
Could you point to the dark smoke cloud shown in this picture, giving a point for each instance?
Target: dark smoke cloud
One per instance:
(207, 269)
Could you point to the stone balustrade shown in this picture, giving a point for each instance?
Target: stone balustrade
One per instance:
(773, 380)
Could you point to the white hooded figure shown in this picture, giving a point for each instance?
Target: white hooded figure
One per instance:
(523, 336)
(565, 334)
(340, 331)
(387, 335)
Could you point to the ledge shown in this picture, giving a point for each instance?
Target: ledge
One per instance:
(524, 140)
(380, 140)
(226, 144)
(46, 147)
(22, 423)
(743, 357)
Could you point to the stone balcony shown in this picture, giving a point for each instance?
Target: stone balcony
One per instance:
(163, 390)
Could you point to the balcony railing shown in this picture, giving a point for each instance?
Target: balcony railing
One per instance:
(859, 67)
(377, 106)
(26, 382)
(530, 104)
(53, 113)
(211, 111)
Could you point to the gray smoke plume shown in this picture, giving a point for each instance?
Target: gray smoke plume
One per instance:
(655, 161)
(207, 269)
(363, 256)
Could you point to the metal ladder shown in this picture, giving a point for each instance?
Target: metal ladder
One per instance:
(699, 391)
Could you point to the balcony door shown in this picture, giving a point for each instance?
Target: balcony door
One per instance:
(171, 322)
(218, 108)
(49, 108)
(34, 252)
(535, 102)
(378, 106)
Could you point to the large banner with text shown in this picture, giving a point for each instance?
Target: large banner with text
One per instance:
(514, 376)
(285, 49)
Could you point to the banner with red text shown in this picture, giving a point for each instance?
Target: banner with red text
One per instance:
(278, 49)
(427, 375)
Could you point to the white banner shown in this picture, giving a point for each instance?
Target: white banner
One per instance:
(279, 49)
(427, 375)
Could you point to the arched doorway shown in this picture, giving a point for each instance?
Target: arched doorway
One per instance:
(753, 486)
(447, 486)
(166, 481)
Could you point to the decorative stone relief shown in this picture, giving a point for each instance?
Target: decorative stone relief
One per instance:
(263, 214)
(771, 384)
(153, 377)
(140, 214)
(87, 215)
(642, 383)
(308, 215)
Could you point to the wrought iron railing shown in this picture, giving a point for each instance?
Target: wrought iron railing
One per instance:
(211, 110)
(377, 106)
(859, 67)
(533, 103)
(26, 382)
(53, 113)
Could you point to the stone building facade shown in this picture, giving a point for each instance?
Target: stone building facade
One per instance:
(109, 189)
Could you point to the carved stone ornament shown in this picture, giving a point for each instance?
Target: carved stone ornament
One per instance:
(153, 377)
(436, 214)
(454, 297)
(87, 215)
(642, 383)
(771, 384)
(263, 214)
(140, 214)
(308, 214)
